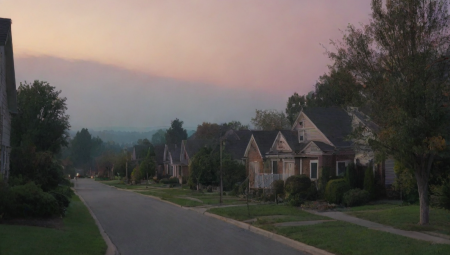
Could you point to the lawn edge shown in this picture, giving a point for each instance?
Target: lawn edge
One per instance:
(278, 238)
(112, 249)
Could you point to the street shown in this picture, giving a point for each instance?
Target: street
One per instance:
(137, 224)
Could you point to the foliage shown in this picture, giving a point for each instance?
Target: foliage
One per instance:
(81, 148)
(406, 183)
(441, 196)
(32, 201)
(7, 201)
(148, 165)
(203, 168)
(176, 133)
(369, 182)
(41, 121)
(278, 187)
(295, 200)
(337, 88)
(235, 125)
(270, 120)
(297, 184)
(325, 175)
(351, 176)
(40, 167)
(136, 175)
(233, 171)
(294, 106)
(159, 137)
(355, 197)
(208, 131)
(105, 164)
(401, 59)
(335, 190)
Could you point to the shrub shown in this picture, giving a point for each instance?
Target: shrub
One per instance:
(335, 190)
(209, 188)
(369, 182)
(350, 175)
(278, 187)
(441, 196)
(356, 197)
(297, 184)
(324, 177)
(7, 201)
(295, 200)
(164, 181)
(174, 180)
(31, 201)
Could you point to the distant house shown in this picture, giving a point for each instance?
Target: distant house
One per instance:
(317, 139)
(8, 99)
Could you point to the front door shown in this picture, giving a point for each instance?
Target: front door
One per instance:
(288, 170)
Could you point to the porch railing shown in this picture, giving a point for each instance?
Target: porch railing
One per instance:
(265, 180)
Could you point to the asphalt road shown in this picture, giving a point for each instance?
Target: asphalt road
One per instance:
(138, 224)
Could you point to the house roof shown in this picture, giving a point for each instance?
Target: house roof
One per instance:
(366, 121)
(159, 152)
(175, 150)
(264, 140)
(333, 122)
(192, 146)
(5, 28)
(324, 147)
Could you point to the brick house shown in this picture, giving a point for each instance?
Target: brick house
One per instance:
(8, 94)
(317, 139)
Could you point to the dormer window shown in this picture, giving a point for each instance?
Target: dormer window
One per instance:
(301, 135)
(301, 123)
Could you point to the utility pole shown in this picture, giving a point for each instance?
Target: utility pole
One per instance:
(126, 170)
(221, 183)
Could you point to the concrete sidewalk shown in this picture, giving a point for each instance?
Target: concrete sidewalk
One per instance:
(376, 226)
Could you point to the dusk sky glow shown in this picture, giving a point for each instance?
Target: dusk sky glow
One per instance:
(144, 63)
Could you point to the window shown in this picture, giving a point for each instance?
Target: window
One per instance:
(274, 167)
(301, 135)
(341, 167)
(313, 166)
(301, 123)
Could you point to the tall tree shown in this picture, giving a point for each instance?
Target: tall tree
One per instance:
(148, 165)
(81, 148)
(236, 125)
(159, 137)
(176, 133)
(208, 131)
(401, 59)
(294, 106)
(270, 120)
(42, 120)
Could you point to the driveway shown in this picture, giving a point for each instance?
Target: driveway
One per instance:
(138, 224)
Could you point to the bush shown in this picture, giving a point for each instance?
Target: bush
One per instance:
(324, 178)
(297, 184)
(209, 188)
(441, 196)
(7, 201)
(335, 190)
(174, 180)
(356, 197)
(351, 176)
(164, 181)
(295, 200)
(31, 201)
(278, 187)
(369, 182)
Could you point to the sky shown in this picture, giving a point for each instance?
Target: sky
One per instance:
(142, 63)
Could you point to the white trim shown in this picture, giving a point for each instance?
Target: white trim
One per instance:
(271, 164)
(319, 130)
(317, 174)
(249, 145)
(346, 164)
(277, 138)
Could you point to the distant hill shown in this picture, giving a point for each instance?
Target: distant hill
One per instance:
(123, 137)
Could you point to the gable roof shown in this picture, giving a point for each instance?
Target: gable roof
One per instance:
(264, 140)
(366, 121)
(333, 122)
(174, 150)
(5, 28)
(193, 146)
(159, 152)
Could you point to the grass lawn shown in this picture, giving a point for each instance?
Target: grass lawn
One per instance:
(79, 235)
(345, 238)
(407, 217)
(241, 213)
(120, 185)
(183, 202)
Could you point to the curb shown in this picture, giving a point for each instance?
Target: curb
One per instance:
(112, 249)
(278, 238)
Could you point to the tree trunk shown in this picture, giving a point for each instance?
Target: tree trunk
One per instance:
(424, 201)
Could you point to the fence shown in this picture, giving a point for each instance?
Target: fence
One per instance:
(265, 180)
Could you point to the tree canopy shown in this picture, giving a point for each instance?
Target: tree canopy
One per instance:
(401, 61)
(294, 106)
(270, 120)
(159, 137)
(176, 133)
(41, 120)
